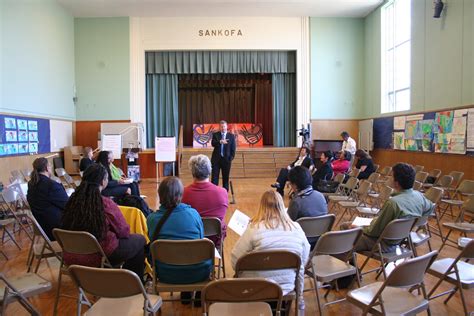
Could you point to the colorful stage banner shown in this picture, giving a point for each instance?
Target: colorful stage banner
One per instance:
(247, 134)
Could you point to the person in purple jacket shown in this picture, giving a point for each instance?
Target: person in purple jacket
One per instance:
(87, 210)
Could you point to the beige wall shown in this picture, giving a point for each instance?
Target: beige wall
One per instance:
(8, 164)
(331, 129)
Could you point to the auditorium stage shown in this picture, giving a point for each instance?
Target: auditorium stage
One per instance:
(249, 162)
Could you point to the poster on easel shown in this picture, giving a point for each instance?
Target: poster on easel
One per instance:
(113, 143)
(165, 149)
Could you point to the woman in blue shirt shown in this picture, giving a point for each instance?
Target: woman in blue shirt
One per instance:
(177, 221)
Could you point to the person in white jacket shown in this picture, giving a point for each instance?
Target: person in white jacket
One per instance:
(272, 229)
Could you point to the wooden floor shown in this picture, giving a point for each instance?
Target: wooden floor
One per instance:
(247, 195)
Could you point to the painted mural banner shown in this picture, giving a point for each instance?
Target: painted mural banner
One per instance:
(247, 134)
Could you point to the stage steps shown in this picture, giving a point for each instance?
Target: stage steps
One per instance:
(263, 162)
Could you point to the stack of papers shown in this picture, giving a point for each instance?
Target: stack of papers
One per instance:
(239, 222)
(362, 221)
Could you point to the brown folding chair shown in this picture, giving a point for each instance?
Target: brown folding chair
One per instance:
(374, 208)
(181, 253)
(455, 271)
(12, 205)
(41, 247)
(417, 185)
(345, 192)
(418, 168)
(420, 234)
(213, 227)
(457, 198)
(421, 176)
(444, 182)
(339, 178)
(273, 260)
(376, 167)
(121, 292)
(393, 296)
(4, 223)
(384, 174)
(246, 296)
(326, 268)
(397, 231)
(20, 288)
(314, 227)
(460, 224)
(76, 242)
(434, 194)
(457, 177)
(359, 199)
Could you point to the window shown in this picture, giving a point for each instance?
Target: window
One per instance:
(396, 55)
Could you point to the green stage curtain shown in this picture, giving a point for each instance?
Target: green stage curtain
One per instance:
(212, 62)
(161, 106)
(284, 109)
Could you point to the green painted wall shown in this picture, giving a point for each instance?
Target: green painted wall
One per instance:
(442, 74)
(102, 51)
(37, 59)
(337, 68)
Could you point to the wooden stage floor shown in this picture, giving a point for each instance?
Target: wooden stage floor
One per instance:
(247, 194)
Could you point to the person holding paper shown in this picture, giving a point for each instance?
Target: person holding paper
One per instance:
(207, 198)
(305, 201)
(222, 155)
(272, 229)
(403, 204)
(116, 187)
(348, 144)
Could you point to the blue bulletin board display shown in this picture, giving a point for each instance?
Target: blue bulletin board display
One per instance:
(24, 136)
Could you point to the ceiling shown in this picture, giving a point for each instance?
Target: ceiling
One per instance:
(212, 8)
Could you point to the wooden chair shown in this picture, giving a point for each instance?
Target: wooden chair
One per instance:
(460, 225)
(398, 231)
(456, 272)
(213, 227)
(181, 253)
(41, 246)
(248, 296)
(20, 288)
(326, 268)
(393, 296)
(76, 242)
(273, 260)
(121, 292)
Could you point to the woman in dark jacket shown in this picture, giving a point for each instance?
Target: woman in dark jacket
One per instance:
(364, 164)
(46, 197)
(114, 188)
(303, 159)
(325, 171)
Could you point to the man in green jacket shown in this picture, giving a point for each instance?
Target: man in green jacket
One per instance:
(405, 203)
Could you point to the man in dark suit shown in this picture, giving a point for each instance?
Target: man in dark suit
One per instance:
(223, 154)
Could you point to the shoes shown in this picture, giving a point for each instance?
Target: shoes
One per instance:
(275, 185)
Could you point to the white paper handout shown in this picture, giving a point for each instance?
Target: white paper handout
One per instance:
(238, 222)
(362, 221)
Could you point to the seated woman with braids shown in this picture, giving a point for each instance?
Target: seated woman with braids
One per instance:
(177, 221)
(88, 210)
(46, 197)
(117, 186)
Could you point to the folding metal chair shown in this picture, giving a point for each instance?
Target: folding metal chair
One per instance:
(273, 260)
(248, 296)
(360, 199)
(460, 225)
(393, 296)
(376, 205)
(455, 271)
(397, 231)
(457, 198)
(325, 267)
(181, 253)
(213, 227)
(20, 288)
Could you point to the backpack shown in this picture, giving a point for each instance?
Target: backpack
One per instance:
(135, 201)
